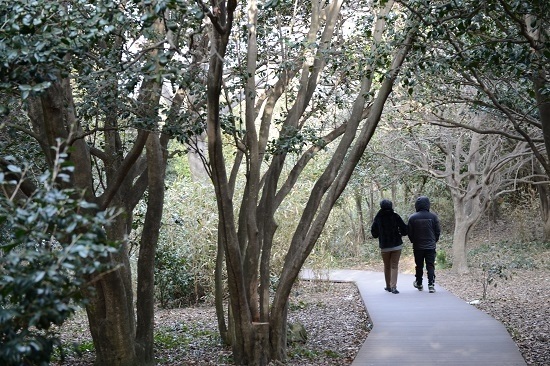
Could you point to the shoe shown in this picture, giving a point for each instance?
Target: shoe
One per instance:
(419, 287)
(394, 290)
(387, 289)
(431, 288)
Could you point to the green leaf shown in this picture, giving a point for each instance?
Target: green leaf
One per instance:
(39, 276)
(14, 168)
(4, 110)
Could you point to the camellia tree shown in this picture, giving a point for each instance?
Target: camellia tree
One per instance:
(91, 75)
(277, 114)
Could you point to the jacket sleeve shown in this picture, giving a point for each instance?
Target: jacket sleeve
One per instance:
(402, 226)
(374, 229)
(410, 231)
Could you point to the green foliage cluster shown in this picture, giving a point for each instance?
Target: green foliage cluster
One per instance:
(175, 282)
(188, 334)
(441, 261)
(300, 352)
(52, 243)
(36, 36)
(491, 272)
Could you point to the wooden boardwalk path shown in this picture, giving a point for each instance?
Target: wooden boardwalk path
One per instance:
(420, 328)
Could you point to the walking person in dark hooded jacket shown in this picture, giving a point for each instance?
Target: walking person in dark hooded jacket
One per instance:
(389, 227)
(423, 231)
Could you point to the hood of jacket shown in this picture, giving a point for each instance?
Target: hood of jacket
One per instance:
(422, 204)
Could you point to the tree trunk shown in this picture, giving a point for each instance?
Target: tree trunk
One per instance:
(540, 84)
(156, 162)
(257, 219)
(330, 185)
(242, 343)
(111, 310)
(361, 219)
(460, 237)
(219, 293)
(546, 228)
(545, 209)
(371, 204)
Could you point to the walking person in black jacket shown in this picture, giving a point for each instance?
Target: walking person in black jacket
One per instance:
(389, 227)
(423, 231)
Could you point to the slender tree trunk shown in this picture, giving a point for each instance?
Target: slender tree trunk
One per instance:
(219, 293)
(371, 204)
(544, 198)
(242, 343)
(361, 219)
(110, 311)
(156, 162)
(331, 184)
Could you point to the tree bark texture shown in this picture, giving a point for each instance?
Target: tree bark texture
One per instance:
(156, 167)
(460, 237)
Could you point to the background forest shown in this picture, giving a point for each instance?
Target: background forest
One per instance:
(167, 153)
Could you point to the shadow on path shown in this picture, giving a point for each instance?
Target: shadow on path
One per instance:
(420, 328)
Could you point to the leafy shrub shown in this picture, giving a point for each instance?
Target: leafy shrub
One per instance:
(51, 243)
(175, 283)
(492, 272)
(441, 261)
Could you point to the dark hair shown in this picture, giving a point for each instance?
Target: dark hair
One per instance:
(386, 204)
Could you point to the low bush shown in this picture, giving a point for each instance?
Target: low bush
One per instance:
(175, 282)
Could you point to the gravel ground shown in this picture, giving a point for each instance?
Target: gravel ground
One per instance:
(337, 323)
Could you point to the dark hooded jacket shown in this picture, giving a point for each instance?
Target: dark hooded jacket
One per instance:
(423, 227)
(388, 226)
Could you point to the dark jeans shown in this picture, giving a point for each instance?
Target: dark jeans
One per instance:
(421, 256)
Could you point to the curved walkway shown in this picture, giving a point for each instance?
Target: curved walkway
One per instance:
(420, 328)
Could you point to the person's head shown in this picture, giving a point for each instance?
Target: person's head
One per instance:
(386, 204)
(422, 203)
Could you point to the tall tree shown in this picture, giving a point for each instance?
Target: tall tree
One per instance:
(91, 75)
(285, 92)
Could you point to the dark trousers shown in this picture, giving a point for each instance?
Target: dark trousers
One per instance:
(421, 256)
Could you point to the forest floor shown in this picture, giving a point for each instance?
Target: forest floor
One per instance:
(337, 323)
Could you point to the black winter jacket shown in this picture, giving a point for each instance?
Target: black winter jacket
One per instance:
(388, 227)
(423, 227)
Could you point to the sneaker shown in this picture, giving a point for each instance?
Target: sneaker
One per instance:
(387, 289)
(419, 287)
(431, 288)
(394, 290)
